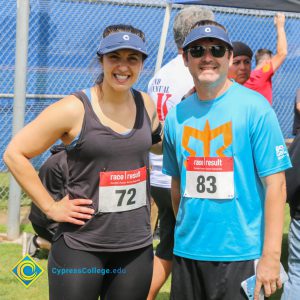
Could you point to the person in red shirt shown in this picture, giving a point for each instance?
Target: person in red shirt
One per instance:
(267, 64)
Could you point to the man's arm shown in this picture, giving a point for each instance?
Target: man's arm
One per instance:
(175, 194)
(279, 57)
(268, 268)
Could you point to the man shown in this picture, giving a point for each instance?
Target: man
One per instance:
(267, 64)
(292, 286)
(167, 88)
(53, 174)
(226, 158)
(241, 66)
(296, 123)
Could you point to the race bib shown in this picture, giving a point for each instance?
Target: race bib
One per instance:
(122, 190)
(209, 177)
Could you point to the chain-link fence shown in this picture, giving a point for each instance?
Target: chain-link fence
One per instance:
(64, 35)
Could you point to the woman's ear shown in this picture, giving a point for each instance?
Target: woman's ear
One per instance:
(142, 67)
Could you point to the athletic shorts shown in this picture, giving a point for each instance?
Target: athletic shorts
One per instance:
(77, 275)
(162, 198)
(208, 280)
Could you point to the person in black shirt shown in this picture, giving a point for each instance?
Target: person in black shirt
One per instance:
(53, 174)
(296, 123)
(292, 287)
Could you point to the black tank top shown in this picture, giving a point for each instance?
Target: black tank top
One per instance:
(98, 150)
(53, 174)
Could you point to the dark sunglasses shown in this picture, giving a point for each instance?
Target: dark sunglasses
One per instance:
(214, 50)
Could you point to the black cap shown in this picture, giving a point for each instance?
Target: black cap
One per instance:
(240, 48)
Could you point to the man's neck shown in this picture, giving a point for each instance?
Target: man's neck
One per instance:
(210, 92)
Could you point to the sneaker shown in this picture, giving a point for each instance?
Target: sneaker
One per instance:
(29, 244)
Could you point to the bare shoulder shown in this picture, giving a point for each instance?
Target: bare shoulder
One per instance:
(69, 105)
(68, 110)
(61, 120)
(151, 110)
(149, 104)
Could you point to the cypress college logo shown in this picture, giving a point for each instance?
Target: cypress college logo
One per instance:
(27, 270)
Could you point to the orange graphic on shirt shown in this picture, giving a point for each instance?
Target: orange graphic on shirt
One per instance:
(206, 136)
(266, 68)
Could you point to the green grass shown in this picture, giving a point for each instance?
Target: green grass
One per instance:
(2, 228)
(4, 188)
(11, 288)
(4, 192)
(23, 228)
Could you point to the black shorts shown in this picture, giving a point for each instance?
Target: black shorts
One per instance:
(87, 275)
(162, 198)
(208, 280)
(46, 233)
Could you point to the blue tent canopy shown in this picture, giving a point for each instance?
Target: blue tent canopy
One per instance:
(276, 5)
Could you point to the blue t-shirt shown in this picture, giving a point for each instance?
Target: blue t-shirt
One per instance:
(240, 124)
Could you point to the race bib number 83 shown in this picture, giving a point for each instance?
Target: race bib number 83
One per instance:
(209, 178)
(122, 190)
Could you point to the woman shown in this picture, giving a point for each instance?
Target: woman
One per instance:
(103, 244)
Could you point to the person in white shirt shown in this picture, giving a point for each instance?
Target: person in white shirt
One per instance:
(167, 88)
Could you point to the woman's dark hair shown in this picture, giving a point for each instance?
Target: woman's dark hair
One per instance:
(123, 27)
(120, 28)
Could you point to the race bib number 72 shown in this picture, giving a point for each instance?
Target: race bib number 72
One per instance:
(122, 190)
(209, 178)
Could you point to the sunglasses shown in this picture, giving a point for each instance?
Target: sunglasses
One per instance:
(214, 50)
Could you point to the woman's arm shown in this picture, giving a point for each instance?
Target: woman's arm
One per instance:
(156, 131)
(62, 120)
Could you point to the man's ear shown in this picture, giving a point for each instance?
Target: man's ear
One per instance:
(230, 54)
(185, 58)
